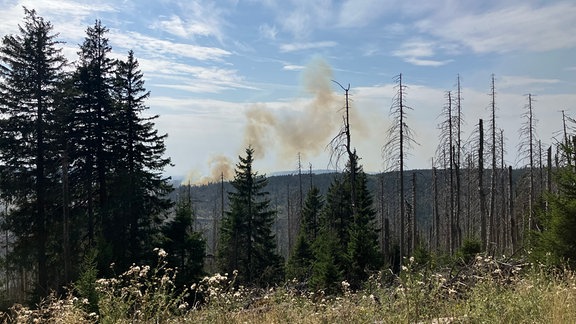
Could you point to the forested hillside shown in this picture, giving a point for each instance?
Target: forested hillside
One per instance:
(85, 196)
(287, 198)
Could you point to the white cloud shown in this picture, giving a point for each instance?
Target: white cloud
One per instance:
(359, 13)
(301, 17)
(69, 18)
(267, 31)
(290, 67)
(160, 48)
(191, 78)
(292, 47)
(515, 28)
(176, 26)
(194, 18)
(423, 62)
(418, 52)
(507, 81)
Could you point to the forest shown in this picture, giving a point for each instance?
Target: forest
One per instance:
(85, 197)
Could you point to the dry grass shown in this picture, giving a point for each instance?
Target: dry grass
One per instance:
(488, 291)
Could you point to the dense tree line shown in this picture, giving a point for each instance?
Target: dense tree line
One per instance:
(80, 162)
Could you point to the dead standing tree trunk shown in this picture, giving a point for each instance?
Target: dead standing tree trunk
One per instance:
(399, 139)
(490, 232)
(341, 144)
(481, 193)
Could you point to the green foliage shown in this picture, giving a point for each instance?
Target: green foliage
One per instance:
(363, 252)
(486, 291)
(470, 248)
(555, 244)
(327, 272)
(80, 166)
(185, 247)
(85, 285)
(31, 69)
(247, 243)
(299, 265)
(348, 245)
(422, 257)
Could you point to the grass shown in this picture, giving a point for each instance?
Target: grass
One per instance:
(485, 291)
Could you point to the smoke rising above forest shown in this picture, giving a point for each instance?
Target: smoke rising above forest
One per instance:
(302, 126)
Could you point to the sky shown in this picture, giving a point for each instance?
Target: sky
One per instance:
(231, 73)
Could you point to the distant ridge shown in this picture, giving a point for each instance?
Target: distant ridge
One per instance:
(295, 172)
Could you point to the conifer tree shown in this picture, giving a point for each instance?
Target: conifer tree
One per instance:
(92, 128)
(555, 243)
(348, 235)
(140, 194)
(185, 247)
(363, 252)
(327, 272)
(247, 243)
(299, 265)
(31, 72)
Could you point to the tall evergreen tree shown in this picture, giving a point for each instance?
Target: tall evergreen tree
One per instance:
(352, 232)
(363, 252)
(140, 194)
(31, 71)
(92, 129)
(246, 240)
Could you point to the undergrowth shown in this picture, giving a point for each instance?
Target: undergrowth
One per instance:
(485, 290)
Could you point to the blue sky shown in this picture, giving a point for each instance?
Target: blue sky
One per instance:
(225, 74)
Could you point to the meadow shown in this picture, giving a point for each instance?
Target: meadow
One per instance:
(484, 290)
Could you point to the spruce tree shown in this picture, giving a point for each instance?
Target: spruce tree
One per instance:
(185, 247)
(247, 243)
(31, 71)
(140, 195)
(349, 235)
(363, 252)
(299, 265)
(92, 130)
(555, 242)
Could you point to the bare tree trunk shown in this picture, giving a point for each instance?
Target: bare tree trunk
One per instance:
(549, 170)
(435, 212)
(502, 220)
(414, 219)
(531, 157)
(481, 194)
(457, 163)
(513, 229)
(490, 230)
(566, 140)
(289, 219)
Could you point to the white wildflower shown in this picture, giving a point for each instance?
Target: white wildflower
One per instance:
(162, 253)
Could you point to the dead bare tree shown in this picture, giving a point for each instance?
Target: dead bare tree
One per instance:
(526, 153)
(448, 143)
(341, 144)
(481, 192)
(399, 139)
(490, 233)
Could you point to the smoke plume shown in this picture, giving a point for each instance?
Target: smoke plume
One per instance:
(220, 167)
(302, 128)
